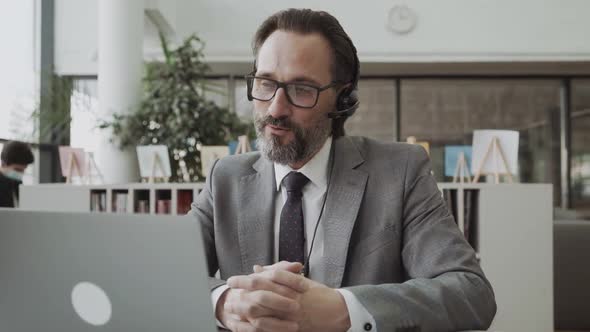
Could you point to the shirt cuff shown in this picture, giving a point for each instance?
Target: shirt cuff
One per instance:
(215, 295)
(360, 319)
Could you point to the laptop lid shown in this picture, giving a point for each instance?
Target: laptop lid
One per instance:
(102, 272)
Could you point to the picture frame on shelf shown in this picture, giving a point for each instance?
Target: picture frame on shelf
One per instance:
(72, 162)
(495, 152)
(210, 153)
(154, 162)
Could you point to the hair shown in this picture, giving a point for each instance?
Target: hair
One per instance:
(345, 63)
(15, 152)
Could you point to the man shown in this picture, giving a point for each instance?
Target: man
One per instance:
(15, 158)
(363, 220)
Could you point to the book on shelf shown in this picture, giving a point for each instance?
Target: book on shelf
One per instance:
(120, 202)
(98, 201)
(185, 199)
(163, 206)
(470, 216)
(143, 206)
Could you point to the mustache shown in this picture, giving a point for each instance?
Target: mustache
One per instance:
(282, 122)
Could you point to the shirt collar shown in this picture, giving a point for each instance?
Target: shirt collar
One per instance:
(316, 169)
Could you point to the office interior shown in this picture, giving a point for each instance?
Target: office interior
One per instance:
(431, 71)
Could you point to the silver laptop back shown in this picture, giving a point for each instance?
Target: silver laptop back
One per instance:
(102, 272)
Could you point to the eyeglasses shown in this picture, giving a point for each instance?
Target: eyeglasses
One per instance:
(298, 94)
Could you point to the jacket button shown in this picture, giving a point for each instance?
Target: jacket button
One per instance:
(368, 327)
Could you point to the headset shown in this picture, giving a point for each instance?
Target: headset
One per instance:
(346, 104)
(348, 101)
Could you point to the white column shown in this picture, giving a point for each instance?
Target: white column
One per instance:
(120, 61)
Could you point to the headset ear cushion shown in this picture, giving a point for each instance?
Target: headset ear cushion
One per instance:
(344, 101)
(352, 98)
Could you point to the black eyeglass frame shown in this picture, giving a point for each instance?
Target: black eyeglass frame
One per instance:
(284, 85)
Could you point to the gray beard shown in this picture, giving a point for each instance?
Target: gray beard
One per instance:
(306, 143)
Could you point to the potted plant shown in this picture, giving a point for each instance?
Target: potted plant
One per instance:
(174, 111)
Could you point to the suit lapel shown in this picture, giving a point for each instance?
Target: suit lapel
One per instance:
(256, 216)
(345, 194)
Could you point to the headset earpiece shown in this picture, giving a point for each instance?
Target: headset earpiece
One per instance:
(346, 104)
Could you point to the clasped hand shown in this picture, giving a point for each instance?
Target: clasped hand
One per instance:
(278, 298)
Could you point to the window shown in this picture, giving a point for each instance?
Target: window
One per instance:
(217, 90)
(17, 82)
(580, 149)
(447, 111)
(242, 106)
(375, 117)
(84, 132)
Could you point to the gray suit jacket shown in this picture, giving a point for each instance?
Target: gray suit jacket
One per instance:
(389, 237)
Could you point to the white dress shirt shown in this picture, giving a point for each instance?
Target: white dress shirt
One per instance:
(316, 170)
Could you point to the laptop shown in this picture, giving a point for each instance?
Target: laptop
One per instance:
(102, 272)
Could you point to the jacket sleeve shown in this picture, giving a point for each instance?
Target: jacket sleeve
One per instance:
(202, 211)
(445, 288)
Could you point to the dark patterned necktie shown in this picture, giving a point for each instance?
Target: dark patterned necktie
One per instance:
(291, 232)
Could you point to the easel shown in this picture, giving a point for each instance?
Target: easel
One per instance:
(73, 163)
(157, 164)
(413, 140)
(91, 164)
(461, 170)
(495, 149)
(243, 145)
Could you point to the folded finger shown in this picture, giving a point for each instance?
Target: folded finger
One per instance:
(274, 301)
(247, 310)
(257, 282)
(294, 281)
(274, 324)
(294, 267)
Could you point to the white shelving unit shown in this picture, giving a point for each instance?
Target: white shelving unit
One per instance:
(515, 247)
(78, 198)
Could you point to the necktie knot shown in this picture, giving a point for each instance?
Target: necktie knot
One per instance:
(294, 182)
